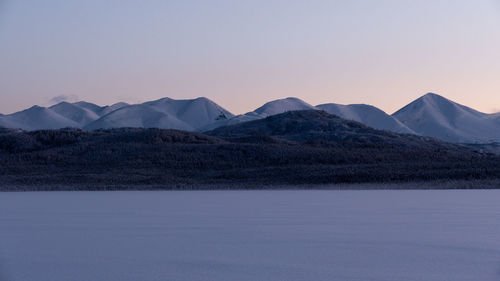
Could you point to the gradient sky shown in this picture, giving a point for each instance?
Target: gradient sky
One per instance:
(244, 53)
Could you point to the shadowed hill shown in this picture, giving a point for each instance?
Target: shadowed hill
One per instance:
(315, 126)
(431, 115)
(294, 148)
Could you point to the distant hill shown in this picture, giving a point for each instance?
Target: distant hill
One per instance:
(101, 110)
(320, 126)
(293, 148)
(164, 113)
(281, 106)
(36, 118)
(431, 115)
(436, 116)
(368, 115)
(81, 115)
(268, 109)
(61, 115)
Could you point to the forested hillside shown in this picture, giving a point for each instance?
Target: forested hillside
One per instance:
(294, 148)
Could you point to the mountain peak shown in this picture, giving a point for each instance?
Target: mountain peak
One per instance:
(429, 100)
(167, 113)
(62, 103)
(36, 107)
(282, 105)
(366, 114)
(121, 103)
(434, 97)
(429, 115)
(293, 99)
(437, 116)
(203, 99)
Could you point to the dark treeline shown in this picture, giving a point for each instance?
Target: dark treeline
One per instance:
(143, 158)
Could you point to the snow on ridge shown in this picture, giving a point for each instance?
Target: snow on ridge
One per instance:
(138, 115)
(89, 106)
(60, 115)
(270, 108)
(79, 114)
(110, 108)
(435, 116)
(281, 106)
(430, 115)
(368, 115)
(37, 118)
(166, 113)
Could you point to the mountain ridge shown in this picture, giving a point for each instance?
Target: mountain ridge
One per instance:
(437, 116)
(308, 147)
(368, 115)
(313, 126)
(429, 115)
(164, 113)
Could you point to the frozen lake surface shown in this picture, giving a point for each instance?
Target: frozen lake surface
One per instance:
(251, 235)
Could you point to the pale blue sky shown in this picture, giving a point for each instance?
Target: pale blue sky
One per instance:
(243, 53)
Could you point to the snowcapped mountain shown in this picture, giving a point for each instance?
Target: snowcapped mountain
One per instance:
(280, 106)
(100, 110)
(430, 115)
(83, 113)
(268, 109)
(435, 116)
(320, 126)
(368, 115)
(36, 118)
(189, 115)
(80, 115)
(110, 108)
(61, 115)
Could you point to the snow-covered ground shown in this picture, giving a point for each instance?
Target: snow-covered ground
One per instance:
(250, 235)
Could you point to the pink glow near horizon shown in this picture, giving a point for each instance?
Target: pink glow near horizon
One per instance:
(242, 54)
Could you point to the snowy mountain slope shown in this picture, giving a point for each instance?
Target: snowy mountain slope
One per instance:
(431, 115)
(90, 106)
(100, 110)
(164, 113)
(320, 126)
(197, 112)
(138, 116)
(368, 115)
(268, 109)
(280, 106)
(81, 115)
(110, 108)
(36, 118)
(61, 115)
(435, 116)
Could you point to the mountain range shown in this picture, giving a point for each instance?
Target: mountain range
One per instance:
(61, 115)
(302, 147)
(430, 115)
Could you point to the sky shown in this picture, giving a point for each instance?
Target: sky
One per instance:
(242, 54)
